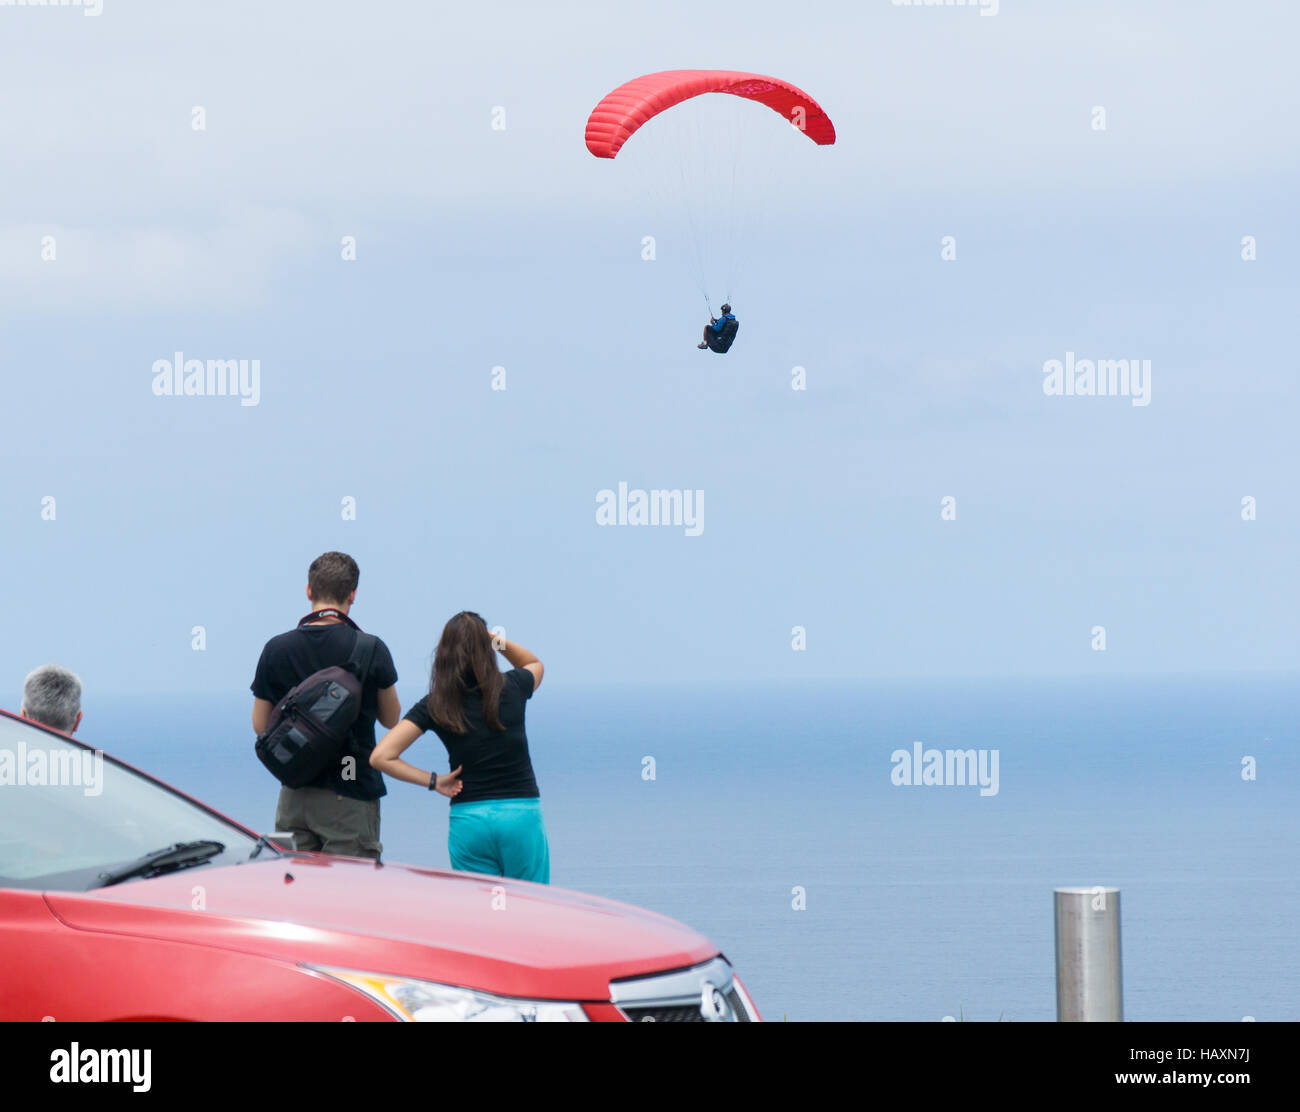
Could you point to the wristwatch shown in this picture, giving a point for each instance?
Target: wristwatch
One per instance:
(433, 781)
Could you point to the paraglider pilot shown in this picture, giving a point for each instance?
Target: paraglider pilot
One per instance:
(720, 332)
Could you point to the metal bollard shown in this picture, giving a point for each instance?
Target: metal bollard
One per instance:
(1089, 981)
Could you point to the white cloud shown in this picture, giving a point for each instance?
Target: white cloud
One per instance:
(148, 268)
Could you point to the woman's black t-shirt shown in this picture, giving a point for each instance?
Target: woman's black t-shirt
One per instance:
(496, 762)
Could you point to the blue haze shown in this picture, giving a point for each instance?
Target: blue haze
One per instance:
(479, 248)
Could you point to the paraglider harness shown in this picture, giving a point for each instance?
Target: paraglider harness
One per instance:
(722, 341)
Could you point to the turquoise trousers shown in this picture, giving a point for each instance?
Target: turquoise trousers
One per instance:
(500, 837)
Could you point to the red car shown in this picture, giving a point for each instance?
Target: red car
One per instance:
(124, 899)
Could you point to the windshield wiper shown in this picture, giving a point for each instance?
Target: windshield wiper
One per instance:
(263, 842)
(182, 855)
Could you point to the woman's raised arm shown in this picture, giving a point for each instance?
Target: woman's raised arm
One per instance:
(520, 657)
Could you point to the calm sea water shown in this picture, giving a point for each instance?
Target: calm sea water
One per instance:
(921, 902)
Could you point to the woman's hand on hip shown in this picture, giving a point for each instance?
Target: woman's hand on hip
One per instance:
(450, 784)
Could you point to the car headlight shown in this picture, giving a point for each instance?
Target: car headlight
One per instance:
(430, 1002)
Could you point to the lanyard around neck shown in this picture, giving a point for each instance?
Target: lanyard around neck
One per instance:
(328, 612)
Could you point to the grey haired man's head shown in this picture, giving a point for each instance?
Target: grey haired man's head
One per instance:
(52, 696)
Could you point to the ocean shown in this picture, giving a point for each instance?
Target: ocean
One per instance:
(768, 818)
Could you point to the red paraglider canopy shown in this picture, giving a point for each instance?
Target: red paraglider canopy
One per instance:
(624, 110)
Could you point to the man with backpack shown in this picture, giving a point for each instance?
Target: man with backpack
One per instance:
(317, 692)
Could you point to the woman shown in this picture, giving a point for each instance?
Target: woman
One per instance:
(478, 712)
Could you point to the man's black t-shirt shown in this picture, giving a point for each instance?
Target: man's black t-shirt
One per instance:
(291, 657)
(496, 762)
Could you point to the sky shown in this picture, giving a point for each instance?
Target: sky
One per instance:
(377, 429)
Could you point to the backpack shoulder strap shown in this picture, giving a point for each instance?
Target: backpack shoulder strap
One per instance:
(363, 654)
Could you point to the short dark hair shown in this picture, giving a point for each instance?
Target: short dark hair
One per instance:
(332, 577)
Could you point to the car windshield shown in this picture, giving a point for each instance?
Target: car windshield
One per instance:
(69, 815)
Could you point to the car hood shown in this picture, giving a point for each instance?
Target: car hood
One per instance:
(503, 936)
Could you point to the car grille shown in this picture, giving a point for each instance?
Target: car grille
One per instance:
(685, 1013)
(664, 1015)
(698, 994)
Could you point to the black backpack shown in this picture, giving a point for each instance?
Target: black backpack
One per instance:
(728, 336)
(311, 727)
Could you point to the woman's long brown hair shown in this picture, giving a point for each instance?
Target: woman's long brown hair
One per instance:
(464, 659)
